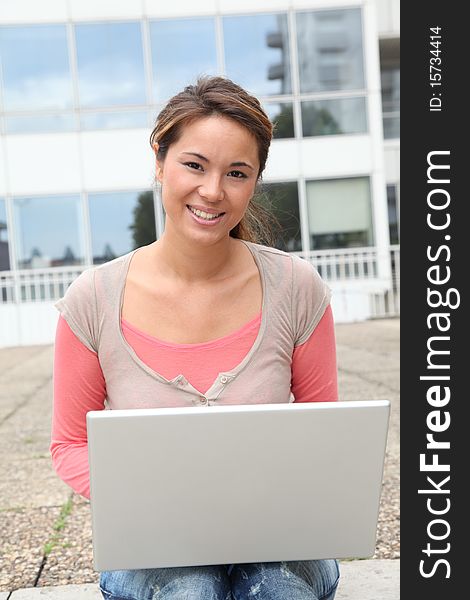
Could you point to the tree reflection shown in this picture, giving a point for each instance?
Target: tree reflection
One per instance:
(283, 122)
(319, 121)
(281, 199)
(4, 253)
(143, 227)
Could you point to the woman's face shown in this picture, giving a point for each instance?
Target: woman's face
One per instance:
(208, 178)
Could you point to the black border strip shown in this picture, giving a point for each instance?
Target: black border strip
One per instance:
(434, 232)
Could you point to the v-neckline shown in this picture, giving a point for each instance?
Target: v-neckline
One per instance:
(180, 381)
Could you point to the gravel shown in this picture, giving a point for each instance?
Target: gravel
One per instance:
(23, 533)
(71, 559)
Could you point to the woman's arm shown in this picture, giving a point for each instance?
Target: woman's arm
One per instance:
(314, 373)
(79, 387)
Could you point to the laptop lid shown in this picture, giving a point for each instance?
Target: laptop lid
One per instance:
(235, 484)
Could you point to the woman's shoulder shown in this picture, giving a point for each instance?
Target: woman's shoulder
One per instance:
(115, 264)
(83, 301)
(93, 280)
(268, 250)
(296, 287)
(301, 269)
(274, 260)
(84, 283)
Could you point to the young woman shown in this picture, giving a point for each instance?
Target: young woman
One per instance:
(203, 316)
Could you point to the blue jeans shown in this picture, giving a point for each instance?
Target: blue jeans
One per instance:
(295, 580)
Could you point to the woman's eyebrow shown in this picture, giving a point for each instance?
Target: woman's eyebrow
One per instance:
(234, 164)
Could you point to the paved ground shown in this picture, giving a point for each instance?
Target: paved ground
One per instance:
(360, 580)
(45, 530)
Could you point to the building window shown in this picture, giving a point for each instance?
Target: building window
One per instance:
(110, 64)
(390, 78)
(35, 69)
(4, 252)
(393, 214)
(257, 53)
(339, 213)
(391, 102)
(334, 117)
(182, 49)
(120, 222)
(40, 123)
(330, 51)
(131, 119)
(282, 199)
(282, 117)
(49, 231)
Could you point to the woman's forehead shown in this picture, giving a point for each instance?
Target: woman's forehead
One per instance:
(215, 135)
(216, 124)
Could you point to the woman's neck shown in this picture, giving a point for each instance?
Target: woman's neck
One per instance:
(192, 263)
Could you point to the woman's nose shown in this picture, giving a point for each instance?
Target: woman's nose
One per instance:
(212, 189)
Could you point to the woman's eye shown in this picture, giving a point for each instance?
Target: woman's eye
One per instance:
(197, 167)
(192, 165)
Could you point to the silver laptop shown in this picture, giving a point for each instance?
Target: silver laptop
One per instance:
(235, 484)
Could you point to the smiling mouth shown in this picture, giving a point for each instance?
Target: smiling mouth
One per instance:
(204, 215)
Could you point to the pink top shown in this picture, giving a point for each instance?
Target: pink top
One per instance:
(79, 384)
(200, 363)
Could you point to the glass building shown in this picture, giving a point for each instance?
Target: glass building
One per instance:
(81, 83)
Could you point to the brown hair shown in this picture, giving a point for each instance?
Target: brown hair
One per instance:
(221, 96)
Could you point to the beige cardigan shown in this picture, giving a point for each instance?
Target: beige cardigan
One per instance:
(294, 300)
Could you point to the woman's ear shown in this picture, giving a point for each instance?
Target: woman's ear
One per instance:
(158, 163)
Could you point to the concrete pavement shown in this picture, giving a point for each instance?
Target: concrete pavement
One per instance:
(45, 529)
(360, 580)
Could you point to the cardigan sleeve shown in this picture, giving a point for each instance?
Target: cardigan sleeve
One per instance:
(79, 386)
(309, 297)
(79, 308)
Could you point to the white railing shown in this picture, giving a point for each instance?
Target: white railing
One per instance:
(361, 264)
(36, 285)
(343, 265)
(387, 302)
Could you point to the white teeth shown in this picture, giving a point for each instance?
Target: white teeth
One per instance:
(202, 214)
